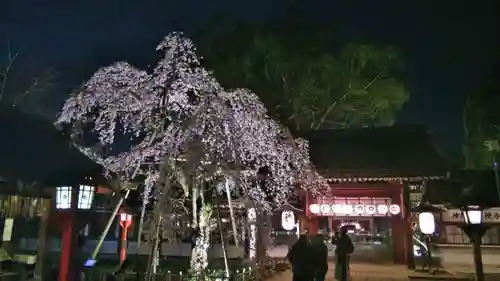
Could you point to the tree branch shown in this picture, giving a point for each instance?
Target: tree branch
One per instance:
(5, 74)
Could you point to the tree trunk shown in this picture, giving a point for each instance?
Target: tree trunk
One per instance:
(199, 256)
(194, 201)
(152, 262)
(141, 225)
(223, 241)
(262, 240)
(42, 240)
(231, 212)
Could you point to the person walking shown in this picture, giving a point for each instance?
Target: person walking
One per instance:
(319, 258)
(343, 248)
(299, 257)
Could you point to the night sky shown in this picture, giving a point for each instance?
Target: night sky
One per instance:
(447, 49)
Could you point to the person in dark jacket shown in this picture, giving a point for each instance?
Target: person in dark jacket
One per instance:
(343, 248)
(319, 258)
(299, 256)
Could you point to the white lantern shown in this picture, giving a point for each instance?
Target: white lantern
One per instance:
(359, 209)
(473, 215)
(314, 208)
(287, 220)
(370, 209)
(382, 209)
(337, 208)
(85, 197)
(394, 209)
(125, 217)
(426, 223)
(347, 209)
(325, 208)
(63, 197)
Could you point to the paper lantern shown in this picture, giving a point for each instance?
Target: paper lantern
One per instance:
(472, 215)
(382, 209)
(359, 209)
(370, 209)
(394, 209)
(347, 209)
(325, 208)
(287, 220)
(84, 199)
(426, 223)
(337, 208)
(314, 208)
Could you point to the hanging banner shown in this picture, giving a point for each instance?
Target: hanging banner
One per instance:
(491, 215)
(415, 199)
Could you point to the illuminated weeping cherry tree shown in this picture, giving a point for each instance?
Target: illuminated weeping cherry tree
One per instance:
(178, 125)
(117, 103)
(234, 137)
(129, 120)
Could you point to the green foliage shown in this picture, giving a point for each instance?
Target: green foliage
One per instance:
(306, 84)
(481, 121)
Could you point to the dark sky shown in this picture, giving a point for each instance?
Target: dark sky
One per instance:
(447, 47)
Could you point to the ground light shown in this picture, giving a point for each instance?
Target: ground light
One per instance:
(70, 200)
(475, 229)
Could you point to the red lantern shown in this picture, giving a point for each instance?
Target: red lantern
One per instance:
(125, 223)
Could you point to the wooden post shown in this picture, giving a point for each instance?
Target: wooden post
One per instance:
(410, 261)
(67, 239)
(42, 239)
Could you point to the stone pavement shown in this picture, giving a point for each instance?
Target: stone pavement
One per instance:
(362, 272)
(392, 272)
(491, 272)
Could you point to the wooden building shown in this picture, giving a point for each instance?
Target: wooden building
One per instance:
(34, 159)
(370, 174)
(465, 187)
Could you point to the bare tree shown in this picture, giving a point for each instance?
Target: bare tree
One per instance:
(26, 84)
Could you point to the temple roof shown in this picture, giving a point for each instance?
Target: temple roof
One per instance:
(32, 149)
(384, 153)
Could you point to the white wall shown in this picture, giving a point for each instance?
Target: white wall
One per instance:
(461, 255)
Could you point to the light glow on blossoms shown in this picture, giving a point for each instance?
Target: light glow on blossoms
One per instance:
(180, 112)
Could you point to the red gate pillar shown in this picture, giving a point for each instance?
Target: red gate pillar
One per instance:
(398, 240)
(67, 225)
(313, 225)
(400, 229)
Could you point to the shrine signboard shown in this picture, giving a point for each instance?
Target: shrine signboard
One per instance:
(491, 215)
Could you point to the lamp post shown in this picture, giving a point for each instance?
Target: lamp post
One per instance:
(70, 200)
(475, 229)
(125, 223)
(427, 225)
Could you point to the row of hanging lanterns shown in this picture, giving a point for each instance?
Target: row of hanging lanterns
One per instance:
(360, 209)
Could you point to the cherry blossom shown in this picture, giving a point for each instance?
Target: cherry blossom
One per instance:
(179, 111)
